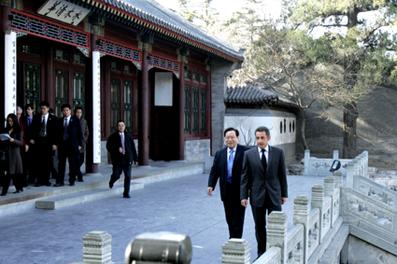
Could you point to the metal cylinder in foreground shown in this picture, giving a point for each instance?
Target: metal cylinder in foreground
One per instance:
(159, 247)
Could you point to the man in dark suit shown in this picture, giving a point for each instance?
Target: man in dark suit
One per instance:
(28, 156)
(44, 139)
(227, 167)
(123, 154)
(70, 142)
(264, 180)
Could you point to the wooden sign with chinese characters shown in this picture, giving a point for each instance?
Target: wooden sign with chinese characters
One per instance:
(64, 11)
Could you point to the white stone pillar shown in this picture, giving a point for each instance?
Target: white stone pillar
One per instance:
(306, 162)
(301, 216)
(277, 233)
(96, 106)
(10, 72)
(97, 248)
(318, 202)
(335, 154)
(236, 251)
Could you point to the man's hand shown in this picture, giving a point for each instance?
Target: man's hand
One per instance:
(210, 190)
(26, 148)
(54, 147)
(284, 200)
(31, 141)
(120, 149)
(244, 202)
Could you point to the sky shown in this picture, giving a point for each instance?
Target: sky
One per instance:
(227, 7)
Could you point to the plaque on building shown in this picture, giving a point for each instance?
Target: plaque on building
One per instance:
(64, 11)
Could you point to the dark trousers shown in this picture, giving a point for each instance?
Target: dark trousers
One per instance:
(17, 179)
(259, 214)
(234, 213)
(28, 165)
(81, 162)
(116, 172)
(65, 151)
(43, 161)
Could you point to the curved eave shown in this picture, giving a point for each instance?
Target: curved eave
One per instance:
(167, 31)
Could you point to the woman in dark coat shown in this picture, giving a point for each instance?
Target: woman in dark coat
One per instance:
(15, 167)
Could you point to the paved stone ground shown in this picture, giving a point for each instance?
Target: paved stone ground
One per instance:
(179, 205)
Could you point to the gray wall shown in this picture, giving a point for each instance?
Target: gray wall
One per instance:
(220, 70)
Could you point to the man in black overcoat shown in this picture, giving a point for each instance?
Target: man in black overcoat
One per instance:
(123, 155)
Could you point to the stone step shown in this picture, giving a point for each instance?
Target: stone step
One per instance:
(71, 199)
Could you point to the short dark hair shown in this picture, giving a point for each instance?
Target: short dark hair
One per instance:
(263, 129)
(120, 120)
(66, 106)
(78, 108)
(44, 103)
(231, 129)
(27, 106)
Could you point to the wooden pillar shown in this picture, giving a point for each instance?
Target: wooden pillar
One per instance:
(143, 146)
(181, 155)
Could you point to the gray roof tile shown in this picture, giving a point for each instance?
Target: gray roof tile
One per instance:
(154, 12)
(250, 96)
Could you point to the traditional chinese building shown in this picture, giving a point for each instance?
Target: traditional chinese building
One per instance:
(250, 107)
(131, 60)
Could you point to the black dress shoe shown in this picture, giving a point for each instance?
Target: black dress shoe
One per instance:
(126, 196)
(37, 185)
(58, 184)
(47, 184)
(110, 184)
(71, 183)
(3, 194)
(17, 191)
(80, 180)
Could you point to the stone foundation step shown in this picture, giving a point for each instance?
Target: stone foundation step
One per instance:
(56, 202)
(161, 172)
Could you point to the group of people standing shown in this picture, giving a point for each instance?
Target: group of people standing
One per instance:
(256, 174)
(30, 143)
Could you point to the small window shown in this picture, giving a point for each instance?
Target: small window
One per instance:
(281, 127)
(113, 66)
(61, 55)
(290, 127)
(285, 126)
(293, 126)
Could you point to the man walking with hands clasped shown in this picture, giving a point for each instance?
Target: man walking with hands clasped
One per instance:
(264, 181)
(123, 154)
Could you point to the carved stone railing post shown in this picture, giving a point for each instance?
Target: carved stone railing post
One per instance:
(236, 251)
(365, 158)
(97, 248)
(335, 154)
(350, 175)
(338, 178)
(324, 205)
(301, 216)
(332, 191)
(277, 231)
(306, 162)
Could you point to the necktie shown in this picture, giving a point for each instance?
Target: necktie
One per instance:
(65, 129)
(122, 142)
(230, 166)
(29, 121)
(263, 159)
(43, 132)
